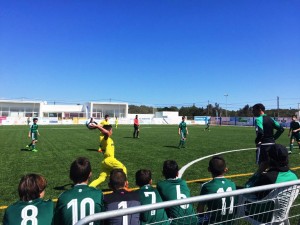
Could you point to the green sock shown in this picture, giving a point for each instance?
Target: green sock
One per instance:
(291, 147)
(180, 143)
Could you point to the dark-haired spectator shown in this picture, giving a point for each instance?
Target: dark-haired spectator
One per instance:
(31, 208)
(278, 170)
(173, 188)
(150, 195)
(121, 198)
(81, 200)
(218, 210)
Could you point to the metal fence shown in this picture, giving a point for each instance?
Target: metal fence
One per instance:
(279, 206)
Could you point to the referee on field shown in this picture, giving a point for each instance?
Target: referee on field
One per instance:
(265, 136)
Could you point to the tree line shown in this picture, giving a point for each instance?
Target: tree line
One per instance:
(210, 110)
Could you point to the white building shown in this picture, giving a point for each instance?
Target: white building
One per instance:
(17, 111)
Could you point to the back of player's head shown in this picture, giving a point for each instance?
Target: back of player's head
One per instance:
(80, 170)
(278, 155)
(117, 179)
(31, 186)
(217, 166)
(106, 116)
(183, 118)
(143, 177)
(170, 169)
(258, 107)
(107, 127)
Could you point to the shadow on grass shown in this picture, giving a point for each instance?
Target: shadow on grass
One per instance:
(92, 149)
(25, 150)
(129, 137)
(170, 146)
(63, 187)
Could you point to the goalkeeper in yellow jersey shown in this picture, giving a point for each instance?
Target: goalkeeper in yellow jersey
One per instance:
(103, 122)
(109, 162)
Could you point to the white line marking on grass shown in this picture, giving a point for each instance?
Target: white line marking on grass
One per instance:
(183, 169)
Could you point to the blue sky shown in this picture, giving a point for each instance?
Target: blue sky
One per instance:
(156, 53)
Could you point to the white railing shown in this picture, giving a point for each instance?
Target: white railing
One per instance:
(240, 216)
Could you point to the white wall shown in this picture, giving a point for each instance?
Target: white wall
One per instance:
(62, 108)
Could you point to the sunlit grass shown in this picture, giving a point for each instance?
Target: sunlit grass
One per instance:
(59, 145)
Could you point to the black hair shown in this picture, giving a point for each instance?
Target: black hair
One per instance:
(106, 116)
(170, 169)
(278, 155)
(258, 107)
(217, 165)
(80, 170)
(117, 179)
(143, 177)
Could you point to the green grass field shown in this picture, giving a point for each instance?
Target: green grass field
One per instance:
(59, 145)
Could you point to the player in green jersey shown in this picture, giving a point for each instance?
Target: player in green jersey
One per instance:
(265, 135)
(183, 132)
(294, 133)
(81, 200)
(207, 125)
(268, 131)
(33, 134)
(149, 195)
(31, 208)
(173, 188)
(219, 210)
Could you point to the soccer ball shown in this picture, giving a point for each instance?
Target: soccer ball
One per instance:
(88, 124)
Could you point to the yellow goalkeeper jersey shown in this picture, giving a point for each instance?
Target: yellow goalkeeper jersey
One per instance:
(103, 122)
(108, 147)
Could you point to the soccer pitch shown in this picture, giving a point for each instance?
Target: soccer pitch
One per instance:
(58, 146)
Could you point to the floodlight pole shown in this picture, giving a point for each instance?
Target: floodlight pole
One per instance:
(226, 95)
